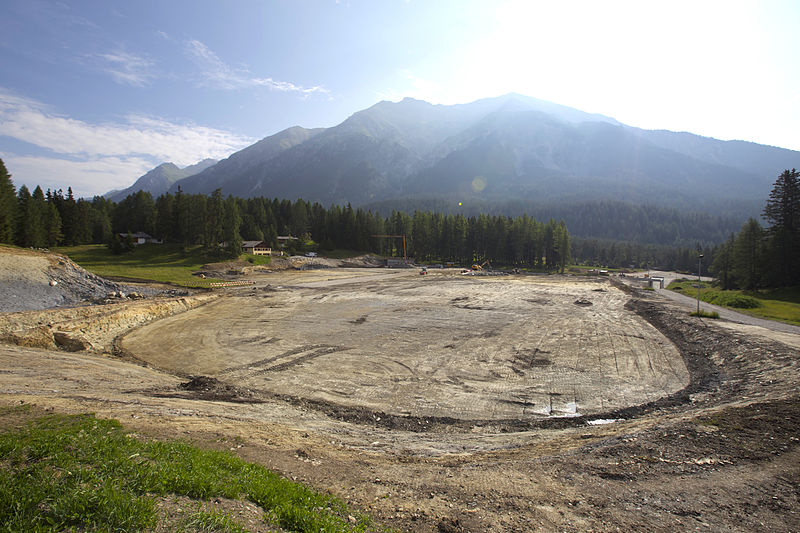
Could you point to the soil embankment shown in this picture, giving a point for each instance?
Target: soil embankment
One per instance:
(46, 302)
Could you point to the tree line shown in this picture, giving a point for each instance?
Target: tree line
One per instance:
(759, 257)
(602, 219)
(45, 219)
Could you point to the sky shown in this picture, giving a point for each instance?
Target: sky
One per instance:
(93, 94)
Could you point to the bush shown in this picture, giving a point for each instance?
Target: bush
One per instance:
(739, 301)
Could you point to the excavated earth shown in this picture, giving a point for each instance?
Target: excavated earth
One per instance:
(447, 402)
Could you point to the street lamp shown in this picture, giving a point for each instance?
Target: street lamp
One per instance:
(699, 262)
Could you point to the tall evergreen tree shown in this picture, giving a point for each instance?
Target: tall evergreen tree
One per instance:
(31, 231)
(722, 265)
(230, 227)
(782, 212)
(8, 206)
(215, 212)
(748, 257)
(52, 225)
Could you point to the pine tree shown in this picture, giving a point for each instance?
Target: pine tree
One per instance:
(52, 225)
(31, 231)
(722, 264)
(748, 256)
(782, 212)
(230, 227)
(215, 212)
(8, 206)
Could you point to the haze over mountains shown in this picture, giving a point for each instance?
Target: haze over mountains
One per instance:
(159, 180)
(509, 148)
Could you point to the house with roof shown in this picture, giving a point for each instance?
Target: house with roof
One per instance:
(140, 237)
(256, 248)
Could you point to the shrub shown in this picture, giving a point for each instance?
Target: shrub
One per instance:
(704, 314)
(739, 301)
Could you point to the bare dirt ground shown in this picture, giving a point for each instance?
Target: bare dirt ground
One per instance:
(453, 403)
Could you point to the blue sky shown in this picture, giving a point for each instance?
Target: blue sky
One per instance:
(95, 93)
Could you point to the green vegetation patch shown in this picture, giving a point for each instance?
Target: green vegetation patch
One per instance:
(779, 304)
(705, 314)
(79, 472)
(163, 263)
(257, 259)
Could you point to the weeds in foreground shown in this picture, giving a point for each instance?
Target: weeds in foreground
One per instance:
(704, 314)
(79, 472)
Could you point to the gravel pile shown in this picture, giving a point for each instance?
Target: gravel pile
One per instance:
(38, 280)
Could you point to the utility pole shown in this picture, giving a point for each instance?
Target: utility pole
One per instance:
(699, 263)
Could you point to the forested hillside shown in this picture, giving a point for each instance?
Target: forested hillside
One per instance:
(610, 234)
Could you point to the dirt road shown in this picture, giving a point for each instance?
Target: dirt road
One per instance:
(422, 399)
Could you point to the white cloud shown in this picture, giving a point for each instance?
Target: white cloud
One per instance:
(218, 74)
(125, 68)
(95, 158)
(87, 178)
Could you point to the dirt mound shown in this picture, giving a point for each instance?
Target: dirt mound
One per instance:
(32, 280)
(208, 388)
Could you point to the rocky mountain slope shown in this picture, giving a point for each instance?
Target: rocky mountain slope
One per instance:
(159, 180)
(497, 149)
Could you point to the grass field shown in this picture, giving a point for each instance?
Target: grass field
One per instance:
(778, 304)
(165, 263)
(80, 473)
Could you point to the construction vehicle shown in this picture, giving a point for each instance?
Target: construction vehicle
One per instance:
(477, 266)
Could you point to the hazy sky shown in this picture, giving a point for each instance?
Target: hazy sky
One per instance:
(95, 93)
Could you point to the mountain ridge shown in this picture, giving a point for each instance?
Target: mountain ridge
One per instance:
(158, 180)
(494, 149)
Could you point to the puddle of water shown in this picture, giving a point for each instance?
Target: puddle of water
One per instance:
(602, 421)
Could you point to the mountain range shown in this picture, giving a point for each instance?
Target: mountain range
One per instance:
(508, 148)
(159, 180)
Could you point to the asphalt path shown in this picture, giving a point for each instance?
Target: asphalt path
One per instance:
(724, 312)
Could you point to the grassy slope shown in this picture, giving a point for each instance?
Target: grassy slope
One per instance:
(779, 304)
(77, 472)
(165, 263)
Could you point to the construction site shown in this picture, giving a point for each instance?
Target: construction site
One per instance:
(445, 402)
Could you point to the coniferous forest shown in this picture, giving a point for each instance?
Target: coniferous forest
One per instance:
(46, 219)
(755, 257)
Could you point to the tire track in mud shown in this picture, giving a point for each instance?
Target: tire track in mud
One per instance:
(262, 366)
(705, 376)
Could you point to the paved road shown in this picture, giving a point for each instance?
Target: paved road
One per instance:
(724, 312)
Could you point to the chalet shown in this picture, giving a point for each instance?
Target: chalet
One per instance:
(256, 248)
(140, 237)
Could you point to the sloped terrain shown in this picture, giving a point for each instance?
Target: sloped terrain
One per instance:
(31, 280)
(494, 150)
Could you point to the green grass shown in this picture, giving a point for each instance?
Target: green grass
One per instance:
(256, 259)
(705, 314)
(780, 304)
(82, 473)
(203, 520)
(164, 263)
